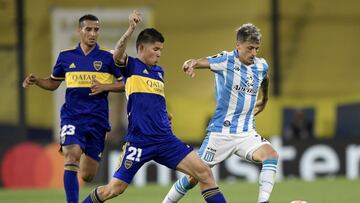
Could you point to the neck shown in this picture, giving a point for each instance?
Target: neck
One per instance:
(142, 59)
(86, 48)
(244, 61)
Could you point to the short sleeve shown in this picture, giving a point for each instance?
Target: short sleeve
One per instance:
(58, 70)
(218, 61)
(265, 67)
(126, 69)
(115, 71)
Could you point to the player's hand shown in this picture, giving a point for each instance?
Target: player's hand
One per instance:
(259, 106)
(30, 80)
(97, 87)
(134, 18)
(189, 67)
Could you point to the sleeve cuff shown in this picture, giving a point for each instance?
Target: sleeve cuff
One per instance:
(57, 78)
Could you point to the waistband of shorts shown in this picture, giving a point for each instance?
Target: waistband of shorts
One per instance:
(242, 134)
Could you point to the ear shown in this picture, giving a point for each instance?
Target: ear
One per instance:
(141, 47)
(238, 44)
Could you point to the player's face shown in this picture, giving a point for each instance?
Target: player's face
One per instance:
(247, 51)
(89, 32)
(150, 52)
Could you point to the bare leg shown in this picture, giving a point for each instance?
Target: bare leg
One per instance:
(114, 188)
(195, 167)
(88, 168)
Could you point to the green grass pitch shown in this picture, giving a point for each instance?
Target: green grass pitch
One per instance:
(329, 190)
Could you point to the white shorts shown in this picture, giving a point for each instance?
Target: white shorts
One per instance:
(217, 147)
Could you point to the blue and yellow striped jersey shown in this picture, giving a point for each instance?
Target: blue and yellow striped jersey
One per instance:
(78, 70)
(146, 107)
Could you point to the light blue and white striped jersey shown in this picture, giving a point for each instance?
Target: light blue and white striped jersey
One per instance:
(236, 88)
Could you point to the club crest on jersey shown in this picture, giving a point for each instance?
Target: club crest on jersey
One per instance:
(97, 65)
(250, 82)
(227, 123)
(248, 88)
(128, 163)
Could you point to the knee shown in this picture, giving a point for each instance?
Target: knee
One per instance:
(273, 155)
(204, 175)
(265, 154)
(72, 160)
(87, 176)
(270, 154)
(72, 157)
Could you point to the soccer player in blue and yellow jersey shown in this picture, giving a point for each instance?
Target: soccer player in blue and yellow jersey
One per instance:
(149, 132)
(239, 76)
(89, 72)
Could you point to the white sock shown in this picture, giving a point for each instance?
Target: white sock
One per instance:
(178, 190)
(267, 179)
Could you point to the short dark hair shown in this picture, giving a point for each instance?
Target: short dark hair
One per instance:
(90, 17)
(149, 35)
(248, 32)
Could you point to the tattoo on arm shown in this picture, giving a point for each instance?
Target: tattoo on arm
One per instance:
(119, 54)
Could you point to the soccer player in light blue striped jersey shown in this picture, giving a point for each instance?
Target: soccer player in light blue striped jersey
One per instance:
(239, 75)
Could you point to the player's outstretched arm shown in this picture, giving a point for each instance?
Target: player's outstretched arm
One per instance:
(192, 64)
(260, 104)
(97, 87)
(44, 83)
(119, 52)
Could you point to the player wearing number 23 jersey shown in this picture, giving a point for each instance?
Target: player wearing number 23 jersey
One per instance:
(84, 117)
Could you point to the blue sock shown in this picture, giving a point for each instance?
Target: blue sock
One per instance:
(213, 195)
(71, 184)
(92, 197)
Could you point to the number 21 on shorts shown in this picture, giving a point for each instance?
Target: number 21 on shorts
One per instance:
(135, 154)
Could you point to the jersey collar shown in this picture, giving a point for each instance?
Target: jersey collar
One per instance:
(236, 53)
(92, 51)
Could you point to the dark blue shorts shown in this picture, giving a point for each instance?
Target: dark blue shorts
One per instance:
(90, 136)
(134, 155)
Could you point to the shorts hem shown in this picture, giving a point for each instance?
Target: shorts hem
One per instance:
(182, 158)
(122, 179)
